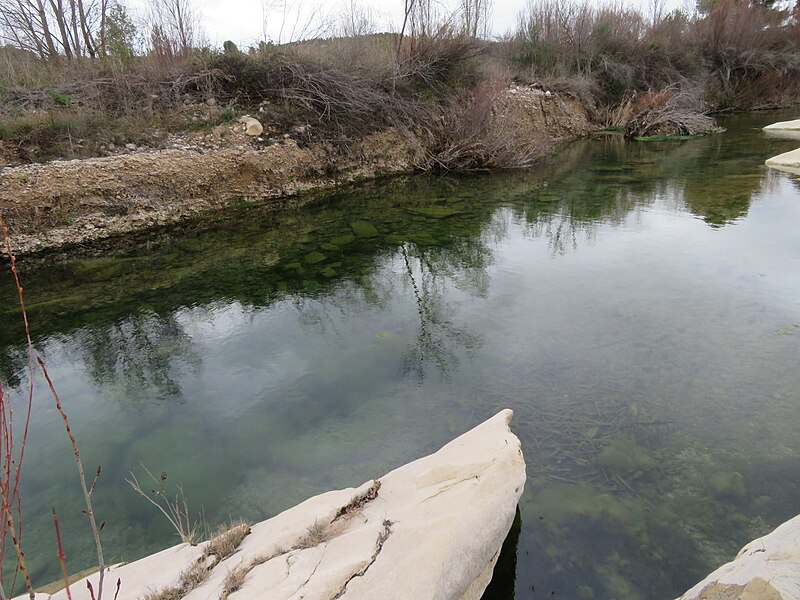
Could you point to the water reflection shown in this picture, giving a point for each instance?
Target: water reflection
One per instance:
(614, 299)
(258, 257)
(139, 359)
(437, 331)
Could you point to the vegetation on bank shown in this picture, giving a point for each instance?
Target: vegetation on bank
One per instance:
(650, 75)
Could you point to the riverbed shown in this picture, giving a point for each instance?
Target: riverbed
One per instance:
(637, 304)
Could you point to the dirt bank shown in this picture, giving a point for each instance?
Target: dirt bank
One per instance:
(47, 206)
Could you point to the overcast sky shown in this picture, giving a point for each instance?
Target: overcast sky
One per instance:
(242, 20)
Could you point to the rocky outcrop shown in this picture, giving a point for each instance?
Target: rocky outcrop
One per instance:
(765, 569)
(430, 529)
(784, 126)
(788, 161)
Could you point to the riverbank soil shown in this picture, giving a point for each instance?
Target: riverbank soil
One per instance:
(64, 203)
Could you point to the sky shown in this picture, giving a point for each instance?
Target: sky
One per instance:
(242, 20)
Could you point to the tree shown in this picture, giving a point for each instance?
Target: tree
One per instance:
(475, 17)
(53, 30)
(356, 20)
(120, 33)
(174, 28)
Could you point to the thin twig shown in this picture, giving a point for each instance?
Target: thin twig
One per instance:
(176, 511)
(61, 557)
(86, 494)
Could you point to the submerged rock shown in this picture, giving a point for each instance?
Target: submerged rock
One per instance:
(434, 212)
(363, 229)
(765, 569)
(313, 258)
(343, 240)
(728, 485)
(430, 529)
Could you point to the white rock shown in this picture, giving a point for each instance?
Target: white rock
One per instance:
(765, 569)
(788, 161)
(430, 529)
(154, 572)
(251, 126)
(784, 129)
(784, 125)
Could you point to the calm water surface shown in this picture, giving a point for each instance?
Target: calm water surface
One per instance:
(635, 304)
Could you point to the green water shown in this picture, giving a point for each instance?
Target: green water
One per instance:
(634, 304)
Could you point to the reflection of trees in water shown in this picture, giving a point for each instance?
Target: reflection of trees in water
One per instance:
(584, 186)
(139, 358)
(13, 365)
(438, 337)
(603, 182)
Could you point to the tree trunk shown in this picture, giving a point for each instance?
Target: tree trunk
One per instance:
(58, 9)
(48, 38)
(87, 34)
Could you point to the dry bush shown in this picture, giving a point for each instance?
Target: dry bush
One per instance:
(368, 55)
(175, 510)
(190, 579)
(476, 131)
(563, 40)
(234, 580)
(74, 110)
(741, 43)
(622, 52)
(437, 58)
(227, 540)
(319, 533)
(672, 111)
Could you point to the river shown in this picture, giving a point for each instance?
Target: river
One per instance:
(636, 304)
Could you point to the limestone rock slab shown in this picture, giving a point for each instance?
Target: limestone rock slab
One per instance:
(784, 129)
(765, 569)
(793, 125)
(431, 529)
(788, 161)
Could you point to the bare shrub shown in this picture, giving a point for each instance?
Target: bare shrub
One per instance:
(436, 58)
(621, 51)
(316, 534)
(742, 42)
(234, 580)
(174, 29)
(227, 540)
(475, 132)
(672, 111)
(175, 510)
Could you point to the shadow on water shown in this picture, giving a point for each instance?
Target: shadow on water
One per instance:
(502, 585)
(616, 298)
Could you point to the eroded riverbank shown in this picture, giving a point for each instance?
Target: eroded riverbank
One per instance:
(73, 202)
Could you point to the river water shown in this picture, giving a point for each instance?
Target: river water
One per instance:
(636, 304)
